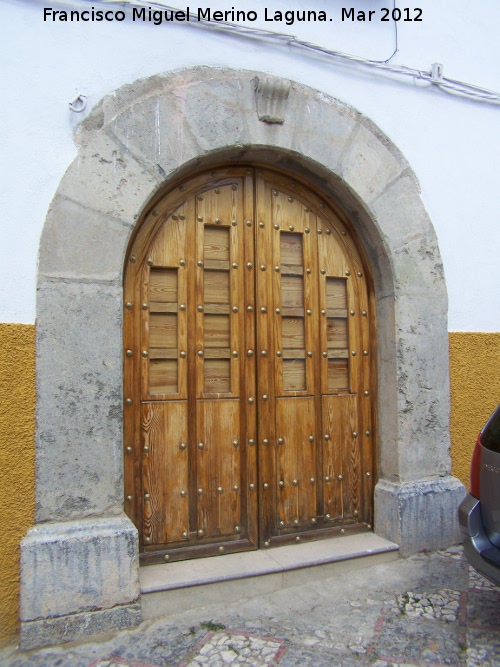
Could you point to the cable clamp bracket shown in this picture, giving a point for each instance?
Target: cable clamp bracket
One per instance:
(79, 103)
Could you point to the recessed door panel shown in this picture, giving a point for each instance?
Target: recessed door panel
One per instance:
(165, 467)
(219, 470)
(341, 456)
(248, 370)
(296, 460)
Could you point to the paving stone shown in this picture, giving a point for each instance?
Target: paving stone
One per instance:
(421, 641)
(425, 610)
(112, 662)
(482, 609)
(482, 649)
(479, 582)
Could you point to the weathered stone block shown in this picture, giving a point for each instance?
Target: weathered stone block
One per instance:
(220, 113)
(79, 409)
(69, 228)
(369, 164)
(206, 115)
(400, 213)
(325, 139)
(420, 515)
(107, 178)
(175, 127)
(51, 631)
(76, 568)
(423, 415)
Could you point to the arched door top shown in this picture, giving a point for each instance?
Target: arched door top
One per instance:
(132, 145)
(249, 373)
(157, 130)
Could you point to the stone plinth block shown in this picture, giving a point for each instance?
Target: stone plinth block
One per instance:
(78, 579)
(419, 515)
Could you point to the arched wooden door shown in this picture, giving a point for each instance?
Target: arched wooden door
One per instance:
(249, 369)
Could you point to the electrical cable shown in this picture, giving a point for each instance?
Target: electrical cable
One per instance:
(396, 49)
(451, 86)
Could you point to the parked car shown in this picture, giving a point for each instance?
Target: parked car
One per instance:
(479, 512)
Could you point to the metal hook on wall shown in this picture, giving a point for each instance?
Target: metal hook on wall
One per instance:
(78, 104)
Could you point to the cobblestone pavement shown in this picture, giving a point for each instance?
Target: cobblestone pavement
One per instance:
(430, 609)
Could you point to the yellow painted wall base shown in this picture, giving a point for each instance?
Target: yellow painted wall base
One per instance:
(17, 469)
(475, 392)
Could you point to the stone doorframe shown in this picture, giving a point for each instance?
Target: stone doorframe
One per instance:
(79, 563)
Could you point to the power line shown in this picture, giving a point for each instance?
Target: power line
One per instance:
(433, 77)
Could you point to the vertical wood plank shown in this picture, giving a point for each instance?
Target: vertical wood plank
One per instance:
(367, 391)
(296, 461)
(219, 480)
(266, 281)
(244, 244)
(341, 456)
(132, 391)
(247, 333)
(165, 470)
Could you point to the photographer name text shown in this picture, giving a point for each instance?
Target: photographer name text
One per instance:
(289, 17)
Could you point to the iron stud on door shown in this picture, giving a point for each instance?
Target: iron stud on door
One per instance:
(244, 394)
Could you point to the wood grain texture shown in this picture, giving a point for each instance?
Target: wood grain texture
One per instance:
(165, 470)
(252, 348)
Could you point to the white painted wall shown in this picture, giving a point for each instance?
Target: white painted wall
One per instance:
(452, 144)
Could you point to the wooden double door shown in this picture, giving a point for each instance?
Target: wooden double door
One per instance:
(248, 366)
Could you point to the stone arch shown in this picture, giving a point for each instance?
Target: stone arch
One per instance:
(132, 143)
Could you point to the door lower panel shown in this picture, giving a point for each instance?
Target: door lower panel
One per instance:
(248, 371)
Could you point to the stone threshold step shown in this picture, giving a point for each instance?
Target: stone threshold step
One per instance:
(186, 585)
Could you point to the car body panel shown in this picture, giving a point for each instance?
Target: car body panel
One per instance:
(490, 494)
(476, 541)
(479, 518)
